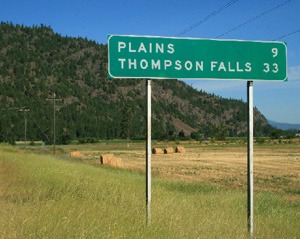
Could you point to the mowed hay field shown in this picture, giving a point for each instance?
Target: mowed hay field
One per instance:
(276, 166)
(197, 194)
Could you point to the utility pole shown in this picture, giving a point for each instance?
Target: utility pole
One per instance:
(25, 110)
(53, 99)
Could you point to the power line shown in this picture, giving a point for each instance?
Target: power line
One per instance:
(286, 35)
(227, 5)
(254, 18)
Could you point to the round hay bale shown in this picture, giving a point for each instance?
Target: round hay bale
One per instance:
(180, 149)
(168, 150)
(111, 160)
(75, 154)
(106, 158)
(157, 151)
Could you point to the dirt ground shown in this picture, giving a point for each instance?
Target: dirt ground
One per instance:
(276, 166)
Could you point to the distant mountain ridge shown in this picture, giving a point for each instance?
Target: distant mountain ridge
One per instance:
(36, 62)
(284, 126)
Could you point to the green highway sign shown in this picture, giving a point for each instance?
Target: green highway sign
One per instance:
(162, 57)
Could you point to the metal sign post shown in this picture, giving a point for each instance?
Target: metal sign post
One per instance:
(250, 156)
(148, 153)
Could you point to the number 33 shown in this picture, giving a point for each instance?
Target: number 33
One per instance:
(274, 67)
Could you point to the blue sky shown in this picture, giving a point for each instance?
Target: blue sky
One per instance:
(251, 20)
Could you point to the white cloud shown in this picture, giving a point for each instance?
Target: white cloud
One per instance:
(294, 73)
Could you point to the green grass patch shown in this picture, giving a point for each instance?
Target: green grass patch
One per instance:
(189, 188)
(293, 191)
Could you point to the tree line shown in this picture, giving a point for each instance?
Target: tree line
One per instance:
(36, 62)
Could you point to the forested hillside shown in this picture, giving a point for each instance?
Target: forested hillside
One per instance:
(35, 63)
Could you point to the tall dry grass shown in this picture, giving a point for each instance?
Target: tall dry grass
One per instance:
(43, 196)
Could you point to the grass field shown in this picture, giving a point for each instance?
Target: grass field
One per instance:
(198, 194)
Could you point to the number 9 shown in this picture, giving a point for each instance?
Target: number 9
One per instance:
(275, 52)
